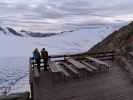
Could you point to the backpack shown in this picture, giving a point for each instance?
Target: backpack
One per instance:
(44, 55)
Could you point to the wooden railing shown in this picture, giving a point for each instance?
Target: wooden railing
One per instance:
(107, 53)
(110, 55)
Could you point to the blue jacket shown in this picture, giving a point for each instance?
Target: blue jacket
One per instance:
(36, 55)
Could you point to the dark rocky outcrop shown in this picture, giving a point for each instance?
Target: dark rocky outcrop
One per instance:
(23, 33)
(14, 32)
(38, 34)
(41, 35)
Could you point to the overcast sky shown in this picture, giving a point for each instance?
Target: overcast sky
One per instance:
(58, 15)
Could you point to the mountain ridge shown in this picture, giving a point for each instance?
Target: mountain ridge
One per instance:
(23, 33)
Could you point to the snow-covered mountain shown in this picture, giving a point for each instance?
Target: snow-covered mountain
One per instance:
(17, 47)
(23, 33)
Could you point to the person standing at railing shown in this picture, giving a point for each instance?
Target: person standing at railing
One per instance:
(37, 57)
(44, 56)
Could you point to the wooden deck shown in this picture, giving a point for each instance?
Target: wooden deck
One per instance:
(104, 86)
(73, 79)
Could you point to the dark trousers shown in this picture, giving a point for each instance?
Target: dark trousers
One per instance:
(38, 64)
(45, 64)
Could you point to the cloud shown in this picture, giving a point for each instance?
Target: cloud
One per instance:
(62, 12)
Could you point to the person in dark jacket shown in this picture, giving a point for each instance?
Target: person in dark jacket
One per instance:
(44, 56)
(37, 57)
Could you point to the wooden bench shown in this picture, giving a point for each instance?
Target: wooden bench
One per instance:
(78, 64)
(90, 66)
(70, 68)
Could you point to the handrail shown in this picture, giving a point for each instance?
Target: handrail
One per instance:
(79, 54)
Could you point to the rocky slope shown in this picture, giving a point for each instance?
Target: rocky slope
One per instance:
(120, 40)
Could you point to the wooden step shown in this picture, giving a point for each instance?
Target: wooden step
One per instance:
(98, 61)
(90, 66)
(53, 67)
(70, 68)
(62, 70)
(78, 64)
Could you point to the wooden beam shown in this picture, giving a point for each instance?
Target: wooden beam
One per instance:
(85, 53)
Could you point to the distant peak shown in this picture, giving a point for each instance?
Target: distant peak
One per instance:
(11, 30)
(1, 29)
(24, 33)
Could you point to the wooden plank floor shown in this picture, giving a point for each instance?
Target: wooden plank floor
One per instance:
(113, 85)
